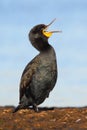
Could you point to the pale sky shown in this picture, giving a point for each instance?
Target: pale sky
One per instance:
(16, 20)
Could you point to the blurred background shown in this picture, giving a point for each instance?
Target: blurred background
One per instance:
(16, 19)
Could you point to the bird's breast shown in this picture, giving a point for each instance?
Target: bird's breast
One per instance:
(46, 72)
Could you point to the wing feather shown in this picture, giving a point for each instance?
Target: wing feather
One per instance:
(27, 75)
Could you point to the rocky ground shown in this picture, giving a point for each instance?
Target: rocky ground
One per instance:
(45, 119)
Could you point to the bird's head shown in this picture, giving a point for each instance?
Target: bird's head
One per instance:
(39, 35)
(40, 31)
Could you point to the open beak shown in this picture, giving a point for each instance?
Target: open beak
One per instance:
(49, 33)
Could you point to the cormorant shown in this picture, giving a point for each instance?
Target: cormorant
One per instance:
(40, 75)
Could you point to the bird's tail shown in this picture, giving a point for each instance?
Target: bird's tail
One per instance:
(20, 106)
(17, 108)
(24, 103)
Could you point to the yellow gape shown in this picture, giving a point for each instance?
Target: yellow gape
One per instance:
(47, 34)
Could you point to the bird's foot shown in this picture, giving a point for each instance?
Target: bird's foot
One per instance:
(35, 108)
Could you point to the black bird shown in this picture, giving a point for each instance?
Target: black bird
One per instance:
(40, 75)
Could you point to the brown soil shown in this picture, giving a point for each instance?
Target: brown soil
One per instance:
(45, 119)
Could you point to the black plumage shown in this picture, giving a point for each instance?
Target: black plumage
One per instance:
(40, 75)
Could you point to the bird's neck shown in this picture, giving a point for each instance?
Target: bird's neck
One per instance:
(41, 45)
